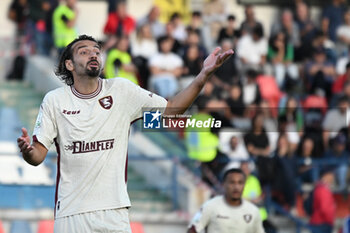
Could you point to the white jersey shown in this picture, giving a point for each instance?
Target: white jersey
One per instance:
(217, 216)
(91, 136)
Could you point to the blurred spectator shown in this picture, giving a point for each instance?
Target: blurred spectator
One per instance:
(338, 152)
(193, 38)
(237, 149)
(335, 120)
(192, 65)
(319, 73)
(252, 49)
(346, 132)
(165, 67)
(202, 145)
(179, 32)
(64, 22)
(119, 22)
(305, 24)
(169, 34)
(196, 24)
(253, 193)
(306, 152)
(119, 63)
(36, 25)
(256, 139)
(323, 204)
(258, 146)
(332, 18)
(226, 75)
(346, 91)
(341, 63)
(18, 13)
(290, 121)
(251, 91)
(250, 22)
(314, 110)
(287, 25)
(143, 47)
(284, 186)
(152, 18)
(229, 31)
(270, 123)
(343, 35)
(318, 41)
(49, 24)
(235, 101)
(281, 55)
(293, 114)
(214, 14)
(112, 4)
(339, 83)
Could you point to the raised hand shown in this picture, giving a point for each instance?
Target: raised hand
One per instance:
(23, 142)
(215, 60)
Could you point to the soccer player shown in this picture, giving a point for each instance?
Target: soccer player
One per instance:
(228, 213)
(89, 121)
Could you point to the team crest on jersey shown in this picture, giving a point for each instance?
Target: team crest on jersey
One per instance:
(247, 218)
(106, 102)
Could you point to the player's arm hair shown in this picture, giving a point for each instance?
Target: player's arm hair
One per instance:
(192, 230)
(37, 155)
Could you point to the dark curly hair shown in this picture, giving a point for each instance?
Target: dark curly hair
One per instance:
(61, 71)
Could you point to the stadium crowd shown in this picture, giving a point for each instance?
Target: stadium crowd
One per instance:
(285, 96)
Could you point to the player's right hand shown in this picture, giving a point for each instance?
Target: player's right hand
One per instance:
(23, 142)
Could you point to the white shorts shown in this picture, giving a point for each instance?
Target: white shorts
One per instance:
(106, 221)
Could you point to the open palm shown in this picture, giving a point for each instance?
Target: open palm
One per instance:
(215, 60)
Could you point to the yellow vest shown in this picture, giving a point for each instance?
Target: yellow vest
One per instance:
(252, 190)
(110, 69)
(201, 143)
(63, 35)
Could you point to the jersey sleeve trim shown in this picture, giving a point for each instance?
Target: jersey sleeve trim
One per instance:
(43, 140)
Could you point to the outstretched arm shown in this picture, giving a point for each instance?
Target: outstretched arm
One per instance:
(179, 103)
(33, 154)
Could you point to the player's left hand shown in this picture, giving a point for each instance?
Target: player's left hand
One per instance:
(215, 60)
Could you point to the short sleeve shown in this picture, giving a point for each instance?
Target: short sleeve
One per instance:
(258, 223)
(141, 99)
(201, 219)
(45, 129)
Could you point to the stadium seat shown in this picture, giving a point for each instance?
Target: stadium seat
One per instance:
(137, 227)
(315, 102)
(20, 226)
(270, 91)
(45, 226)
(1, 228)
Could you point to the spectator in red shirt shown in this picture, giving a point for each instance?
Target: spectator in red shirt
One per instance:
(339, 83)
(119, 22)
(323, 207)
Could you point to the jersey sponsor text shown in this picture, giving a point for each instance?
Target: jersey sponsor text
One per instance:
(85, 147)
